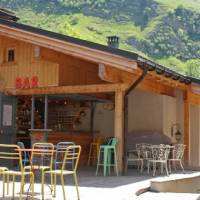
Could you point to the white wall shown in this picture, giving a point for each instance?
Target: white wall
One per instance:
(104, 120)
(194, 136)
(145, 111)
(180, 112)
(169, 116)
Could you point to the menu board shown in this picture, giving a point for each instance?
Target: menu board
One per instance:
(7, 115)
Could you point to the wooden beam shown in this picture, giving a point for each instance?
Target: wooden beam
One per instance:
(69, 48)
(194, 98)
(187, 128)
(114, 75)
(168, 81)
(151, 86)
(119, 126)
(77, 89)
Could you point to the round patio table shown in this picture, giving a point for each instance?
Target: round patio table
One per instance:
(31, 150)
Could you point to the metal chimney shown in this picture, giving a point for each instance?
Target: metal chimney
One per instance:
(113, 41)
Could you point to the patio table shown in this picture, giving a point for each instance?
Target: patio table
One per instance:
(31, 150)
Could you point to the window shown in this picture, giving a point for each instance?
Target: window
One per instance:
(10, 55)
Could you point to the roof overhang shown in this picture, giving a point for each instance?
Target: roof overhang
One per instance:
(33, 36)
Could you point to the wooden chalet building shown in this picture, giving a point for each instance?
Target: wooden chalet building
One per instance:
(76, 89)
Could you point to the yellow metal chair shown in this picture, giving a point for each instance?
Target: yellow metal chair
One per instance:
(2, 170)
(94, 149)
(12, 152)
(42, 160)
(72, 154)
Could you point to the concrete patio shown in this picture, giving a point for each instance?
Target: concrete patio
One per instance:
(112, 187)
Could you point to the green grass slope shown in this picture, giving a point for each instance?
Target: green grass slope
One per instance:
(166, 31)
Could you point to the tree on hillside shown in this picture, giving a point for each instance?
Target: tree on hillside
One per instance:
(193, 68)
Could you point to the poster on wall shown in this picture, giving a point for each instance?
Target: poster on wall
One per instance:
(7, 115)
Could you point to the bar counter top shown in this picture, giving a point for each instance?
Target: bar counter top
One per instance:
(82, 138)
(40, 130)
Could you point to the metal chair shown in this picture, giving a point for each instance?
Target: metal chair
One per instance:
(12, 152)
(105, 156)
(177, 155)
(160, 154)
(94, 149)
(25, 156)
(42, 160)
(72, 153)
(136, 156)
(60, 151)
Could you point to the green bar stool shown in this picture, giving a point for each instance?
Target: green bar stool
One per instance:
(105, 156)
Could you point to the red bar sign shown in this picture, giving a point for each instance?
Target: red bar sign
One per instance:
(26, 82)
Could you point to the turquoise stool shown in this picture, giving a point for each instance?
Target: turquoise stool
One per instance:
(105, 156)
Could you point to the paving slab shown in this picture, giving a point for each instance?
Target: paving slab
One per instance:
(168, 196)
(93, 187)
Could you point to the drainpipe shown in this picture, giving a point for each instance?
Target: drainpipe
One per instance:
(131, 88)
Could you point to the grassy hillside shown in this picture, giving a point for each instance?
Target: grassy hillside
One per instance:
(166, 31)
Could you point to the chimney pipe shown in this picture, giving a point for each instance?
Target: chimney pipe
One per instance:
(113, 41)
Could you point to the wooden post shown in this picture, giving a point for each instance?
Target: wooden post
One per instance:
(32, 112)
(93, 105)
(119, 126)
(46, 112)
(187, 131)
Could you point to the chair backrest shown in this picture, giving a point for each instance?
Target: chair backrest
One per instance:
(21, 145)
(112, 141)
(44, 155)
(72, 154)
(61, 148)
(160, 152)
(143, 150)
(24, 154)
(98, 139)
(10, 152)
(178, 151)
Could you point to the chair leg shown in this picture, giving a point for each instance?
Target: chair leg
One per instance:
(98, 162)
(116, 163)
(54, 194)
(21, 187)
(63, 186)
(181, 166)
(109, 162)
(142, 163)
(161, 168)
(32, 185)
(3, 185)
(166, 169)
(51, 183)
(76, 184)
(13, 192)
(154, 168)
(89, 155)
(105, 161)
(8, 180)
(174, 164)
(170, 170)
(148, 166)
(42, 185)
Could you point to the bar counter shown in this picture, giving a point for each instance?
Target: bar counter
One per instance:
(78, 137)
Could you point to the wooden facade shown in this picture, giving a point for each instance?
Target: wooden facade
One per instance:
(69, 68)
